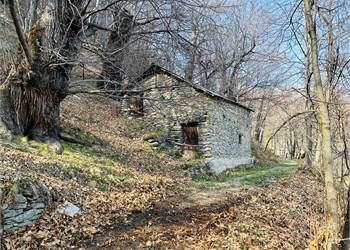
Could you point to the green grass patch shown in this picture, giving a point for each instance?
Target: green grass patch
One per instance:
(197, 162)
(15, 187)
(260, 169)
(105, 168)
(82, 161)
(255, 175)
(262, 177)
(138, 124)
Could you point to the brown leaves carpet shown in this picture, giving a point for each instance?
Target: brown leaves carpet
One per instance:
(131, 198)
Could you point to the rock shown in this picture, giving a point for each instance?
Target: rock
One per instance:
(19, 199)
(25, 223)
(31, 192)
(69, 209)
(154, 144)
(165, 145)
(29, 215)
(4, 207)
(12, 213)
(59, 149)
(19, 205)
(38, 205)
(149, 244)
(8, 228)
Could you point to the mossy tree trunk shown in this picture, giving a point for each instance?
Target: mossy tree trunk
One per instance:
(38, 81)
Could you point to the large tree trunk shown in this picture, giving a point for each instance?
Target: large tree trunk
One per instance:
(331, 200)
(30, 97)
(112, 69)
(34, 112)
(32, 105)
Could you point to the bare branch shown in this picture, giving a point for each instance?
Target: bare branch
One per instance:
(20, 34)
(284, 123)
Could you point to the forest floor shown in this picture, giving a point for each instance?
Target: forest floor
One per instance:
(133, 197)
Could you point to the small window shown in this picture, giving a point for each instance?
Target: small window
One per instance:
(240, 138)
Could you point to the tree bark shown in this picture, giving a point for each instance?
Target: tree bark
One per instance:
(331, 201)
(112, 69)
(32, 15)
(30, 97)
(308, 104)
(260, 123)
(192, 54)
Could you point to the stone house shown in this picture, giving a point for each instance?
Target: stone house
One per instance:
(195, 121)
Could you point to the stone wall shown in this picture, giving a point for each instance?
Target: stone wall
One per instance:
(229, 137)
(22, 208)
(172, 104)
(220, 123)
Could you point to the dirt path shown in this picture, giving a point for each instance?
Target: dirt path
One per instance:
(162, 222)
(176, 218)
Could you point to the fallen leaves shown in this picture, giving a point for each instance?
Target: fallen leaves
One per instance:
(128, 195)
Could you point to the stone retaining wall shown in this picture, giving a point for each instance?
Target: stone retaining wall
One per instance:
(23, 207)
(21, 212)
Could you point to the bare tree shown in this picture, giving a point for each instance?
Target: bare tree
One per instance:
(331, 197)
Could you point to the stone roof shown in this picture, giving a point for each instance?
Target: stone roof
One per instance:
(156, 69)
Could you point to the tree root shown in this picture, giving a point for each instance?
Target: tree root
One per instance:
(69, 138)
(55, 143)
(51, 142)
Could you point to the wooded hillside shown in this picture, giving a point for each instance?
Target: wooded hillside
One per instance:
(174, 124)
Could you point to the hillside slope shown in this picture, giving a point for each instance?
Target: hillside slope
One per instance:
(132, 196)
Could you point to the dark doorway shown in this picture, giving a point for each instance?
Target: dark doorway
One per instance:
(190, 140)
(136, 105)
(190, 133)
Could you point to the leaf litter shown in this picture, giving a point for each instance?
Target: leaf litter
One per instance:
(131, 196)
